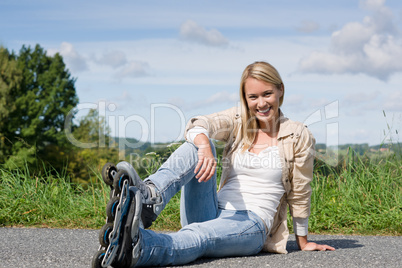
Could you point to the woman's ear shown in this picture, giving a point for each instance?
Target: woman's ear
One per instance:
(281, 89)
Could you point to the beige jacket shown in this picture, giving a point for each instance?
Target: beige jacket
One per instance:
(296, 149)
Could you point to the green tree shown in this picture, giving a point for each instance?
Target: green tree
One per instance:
(91, 130)
(10, 80)
(38, 106)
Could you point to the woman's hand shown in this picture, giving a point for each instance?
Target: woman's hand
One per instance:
(206, 166)
(311, 246)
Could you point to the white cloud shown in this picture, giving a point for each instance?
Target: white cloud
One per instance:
(179, 102)
(308, 26)
(217, 98)
(361, 103)
(393, 102)
(114, 59)
(126, 101)
(125, 96)
(74, 61)
(294, 102)
(372, 47)
(122, 67)
(371, 4)
(133, 69)
(360, 98)
(191, 31)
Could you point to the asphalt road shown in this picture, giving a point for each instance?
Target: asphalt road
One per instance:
(26, 247)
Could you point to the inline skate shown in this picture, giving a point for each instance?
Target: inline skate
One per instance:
(133, 204)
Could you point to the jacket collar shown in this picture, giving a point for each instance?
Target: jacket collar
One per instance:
(284, 126)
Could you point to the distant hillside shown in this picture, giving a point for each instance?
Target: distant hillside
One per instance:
(132, 145)
(364, 147)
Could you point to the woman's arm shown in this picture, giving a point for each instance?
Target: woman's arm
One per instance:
(206, 166)
(301, 157)
(300, 227)
(299, 199)
(218, 126)
(310, 246)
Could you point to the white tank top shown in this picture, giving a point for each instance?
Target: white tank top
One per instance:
(254, 183)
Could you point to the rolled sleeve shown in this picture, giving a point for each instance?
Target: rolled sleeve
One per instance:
(300, 226)
(192, 133)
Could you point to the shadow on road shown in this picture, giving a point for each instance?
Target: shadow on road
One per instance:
(336, 243)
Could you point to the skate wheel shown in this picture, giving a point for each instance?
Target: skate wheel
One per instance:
(104, 234)
(111, 208)
(97, 259)
(119, 179)
(108, 172)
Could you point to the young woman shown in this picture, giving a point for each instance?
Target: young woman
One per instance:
(267, 165)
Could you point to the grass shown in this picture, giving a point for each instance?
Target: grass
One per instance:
(359, 196)
(52, 201)
(362, 196)
(48, 200)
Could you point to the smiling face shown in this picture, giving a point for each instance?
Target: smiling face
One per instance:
(263, 100)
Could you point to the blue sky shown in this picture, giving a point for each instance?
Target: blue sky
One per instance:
(149, 66)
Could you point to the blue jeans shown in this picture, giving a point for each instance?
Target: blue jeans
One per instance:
(207, 230)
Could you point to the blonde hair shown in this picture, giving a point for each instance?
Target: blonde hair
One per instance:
(265, 72)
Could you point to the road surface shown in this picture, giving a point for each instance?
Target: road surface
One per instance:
(31, 247)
